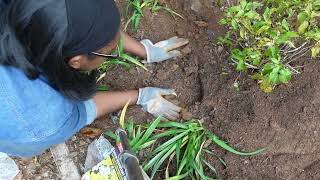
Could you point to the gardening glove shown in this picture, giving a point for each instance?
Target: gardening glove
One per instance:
(163, 50)
(151, 99)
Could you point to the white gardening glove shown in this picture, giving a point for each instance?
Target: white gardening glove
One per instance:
(152, 101)
(163, 50)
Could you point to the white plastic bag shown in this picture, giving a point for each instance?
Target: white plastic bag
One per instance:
(8, 167)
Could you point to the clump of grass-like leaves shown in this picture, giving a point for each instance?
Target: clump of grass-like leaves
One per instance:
(137, 6)
(123, 59)
(183, 145)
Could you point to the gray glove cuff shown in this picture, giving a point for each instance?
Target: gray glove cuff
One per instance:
(147, 44)
(141, 100)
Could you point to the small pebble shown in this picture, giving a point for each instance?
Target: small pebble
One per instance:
(220, 49)
(180, 32)
(186, 50)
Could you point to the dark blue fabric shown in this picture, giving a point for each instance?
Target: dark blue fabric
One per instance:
(3, 5)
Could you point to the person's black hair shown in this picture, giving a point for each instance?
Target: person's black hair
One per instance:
(32, 37)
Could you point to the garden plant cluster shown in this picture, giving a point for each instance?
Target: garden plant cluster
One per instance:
(267, 38)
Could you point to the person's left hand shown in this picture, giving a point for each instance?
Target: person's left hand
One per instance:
(151, 99)
(163, 50)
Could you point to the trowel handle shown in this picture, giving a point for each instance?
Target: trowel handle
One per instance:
(131, 165)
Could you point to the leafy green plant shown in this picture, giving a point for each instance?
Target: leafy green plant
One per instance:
(123, 59)
(263, 37)
(137, 6)
(183, 145)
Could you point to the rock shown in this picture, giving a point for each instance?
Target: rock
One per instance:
(186, 50)
(66, 166)
(200, 7)
(180, 32)
(201, 23)
(186, 115)
(196, 6)
(175, 67)
(220, 49)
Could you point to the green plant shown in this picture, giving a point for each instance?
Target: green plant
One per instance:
(137, 6)
(123, 59)
(263, 36)
(187, 142)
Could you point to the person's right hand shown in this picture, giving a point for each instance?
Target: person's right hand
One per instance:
(151, 100)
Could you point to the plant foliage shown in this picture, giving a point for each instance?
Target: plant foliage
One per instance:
(183, 145)
(263, 37)
(123, 59)
(137, 6)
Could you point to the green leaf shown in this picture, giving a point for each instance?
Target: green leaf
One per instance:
(111, 135)
(179, 177)
(129, 127)
(157, 157)
(243, 33)
(134, 61)
(285, 25)
(171, 141)
(303, 27)
(234, 24)
(273, 52)
(302, 17)
(237, 54)
(146, 144)
(103, 88)
(178, 149)
(315, 51)
(267, 68)
(267, 15)
(243, 4)
(121, 49)
(172, 124)
(263, 29)
(148, 132)
(163, 158)
(252, 15)
(265, 86)
(137, 137)
(223, 21)
(167, 133)
(199, 170)
(287, 36)
(241, 66)
(257, 76)
(223, 145)
(285, 75)
(315, 34)
(240, 13)
(274, 76)
(255, 57)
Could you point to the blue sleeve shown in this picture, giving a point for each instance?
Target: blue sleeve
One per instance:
(35, 116)
(3, 5)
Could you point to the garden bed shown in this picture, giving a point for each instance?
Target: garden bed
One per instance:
(287, 121)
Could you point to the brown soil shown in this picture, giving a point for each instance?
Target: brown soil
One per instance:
(285, 121)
